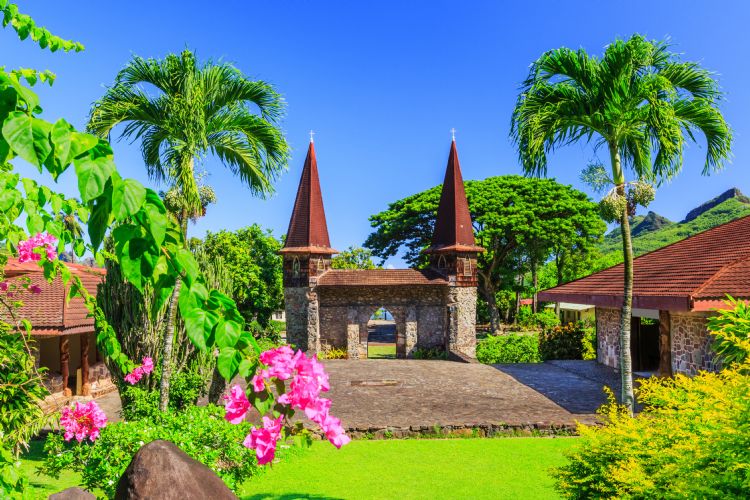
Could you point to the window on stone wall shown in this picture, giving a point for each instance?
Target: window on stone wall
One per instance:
(442, 263)
(467, 267)
(295, 267)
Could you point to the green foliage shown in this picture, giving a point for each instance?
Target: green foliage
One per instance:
(731, 332)
(519, 221)
(201, 432)
(21, 389)
(431, 353)
(331, 352)
(353, 258)
(25, 27)
(510, 348)
(543, 319)
(185, 389)
(691, 441)
(13, 482)
(571, 341)
(252, 261)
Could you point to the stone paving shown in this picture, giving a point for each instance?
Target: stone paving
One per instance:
(380, 394)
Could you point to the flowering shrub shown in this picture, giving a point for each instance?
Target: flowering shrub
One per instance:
(199, 431)
(85, 420)
(571, 341)
(137, 374)
(307, 379)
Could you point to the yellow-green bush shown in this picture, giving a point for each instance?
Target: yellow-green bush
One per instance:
(691, 441)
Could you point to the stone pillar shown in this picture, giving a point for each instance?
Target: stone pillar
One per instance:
(462, 314)
(352, 334)
(410, 331)
(65, 364)
(302, 318)
(665, 344)
(85, 348)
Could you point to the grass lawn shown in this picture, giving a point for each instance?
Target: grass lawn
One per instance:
(381, 351)
(402, 469)
(405, 469)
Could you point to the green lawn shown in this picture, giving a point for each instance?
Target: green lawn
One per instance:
(405, 469)
(381, 351)
(402, 469)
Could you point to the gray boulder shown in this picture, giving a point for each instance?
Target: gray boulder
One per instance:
(160, 470)
(74, 493)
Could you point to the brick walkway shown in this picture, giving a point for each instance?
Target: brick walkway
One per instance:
(408, 394)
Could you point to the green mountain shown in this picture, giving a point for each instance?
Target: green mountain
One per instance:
(653, 231)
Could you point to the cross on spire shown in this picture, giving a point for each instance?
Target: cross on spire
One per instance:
(311, 135)
(453, 134)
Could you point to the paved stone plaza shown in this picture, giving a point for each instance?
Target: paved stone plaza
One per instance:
(371, 395)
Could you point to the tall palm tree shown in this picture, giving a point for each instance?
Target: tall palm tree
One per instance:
(640, 102)
(182, 111)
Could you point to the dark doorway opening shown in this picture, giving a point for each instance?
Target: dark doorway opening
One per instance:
(381, 335)
(644, 344)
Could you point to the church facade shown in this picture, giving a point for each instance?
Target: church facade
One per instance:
(432, 308)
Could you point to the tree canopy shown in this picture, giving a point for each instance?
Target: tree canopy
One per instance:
(251, 258)
(353, 258)
(521, 222)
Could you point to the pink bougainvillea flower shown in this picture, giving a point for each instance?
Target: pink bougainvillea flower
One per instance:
(36, 289)
(236, 406)
(334, 431)
(147, 366)
(82, 421)
(26, 247)
(264, 440)
(258, 383)
(280, 362)
(317, 410)
(4, 286)
(134, 377)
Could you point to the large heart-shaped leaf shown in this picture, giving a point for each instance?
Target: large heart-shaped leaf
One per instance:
(93, 175)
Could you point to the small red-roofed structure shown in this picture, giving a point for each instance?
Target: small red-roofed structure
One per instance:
(675, 288)
(62, 329)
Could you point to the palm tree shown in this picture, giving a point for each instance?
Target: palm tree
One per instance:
(642, 103)
(182, 111)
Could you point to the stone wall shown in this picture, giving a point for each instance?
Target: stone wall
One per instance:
(462, 312)
(690, 340)
(302, 318)
(608, 336)
(691, 344)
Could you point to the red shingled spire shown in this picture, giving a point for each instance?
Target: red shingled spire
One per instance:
(453, 229)
(308, 231)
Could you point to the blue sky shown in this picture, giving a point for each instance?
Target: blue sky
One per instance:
(382, 84)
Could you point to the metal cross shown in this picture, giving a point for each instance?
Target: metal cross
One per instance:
(453, 134)
(311, 135)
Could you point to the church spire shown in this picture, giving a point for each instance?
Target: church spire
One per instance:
(453, 229)
(308, 231)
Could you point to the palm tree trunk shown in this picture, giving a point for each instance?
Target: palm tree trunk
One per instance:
(626, 362)
(166, 355)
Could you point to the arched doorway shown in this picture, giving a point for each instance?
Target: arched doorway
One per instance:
(381, 335)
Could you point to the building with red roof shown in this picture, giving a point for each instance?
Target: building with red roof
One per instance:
(675, 290)
(63, 329)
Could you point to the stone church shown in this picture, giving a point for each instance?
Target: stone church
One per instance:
(432, 308)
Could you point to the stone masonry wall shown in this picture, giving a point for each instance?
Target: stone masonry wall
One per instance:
(691, 344)
(691, 349)
(302, 318)
(607, 336)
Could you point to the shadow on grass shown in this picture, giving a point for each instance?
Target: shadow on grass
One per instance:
(289, 496)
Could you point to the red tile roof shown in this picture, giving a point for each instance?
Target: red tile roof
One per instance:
(687, 275)
(453, 228)
(308, 231)
(47, 311)
(380, 277)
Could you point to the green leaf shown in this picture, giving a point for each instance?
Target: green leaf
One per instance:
(228, 362)
(99, 222)
(79, 247)
(35, 224)
(198, 325)
(18, 132)
(9, 198)
(186, 264)
(227, 333)
(80, 143)
(93, 176)
(61, 140)
(127, 198)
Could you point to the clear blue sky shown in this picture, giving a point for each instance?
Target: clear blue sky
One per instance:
(382, 83)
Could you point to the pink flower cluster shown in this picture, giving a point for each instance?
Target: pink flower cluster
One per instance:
(147, 367)
(85, 420)
(308, 380)
(26, 248)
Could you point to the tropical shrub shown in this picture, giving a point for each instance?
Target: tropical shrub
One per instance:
(510, 348)
(543, 319)
(730, 328)
(692, 440)
(185, 388)
(571, 341)
(201, 432)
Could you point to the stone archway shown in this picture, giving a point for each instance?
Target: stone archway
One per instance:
(382, 335)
